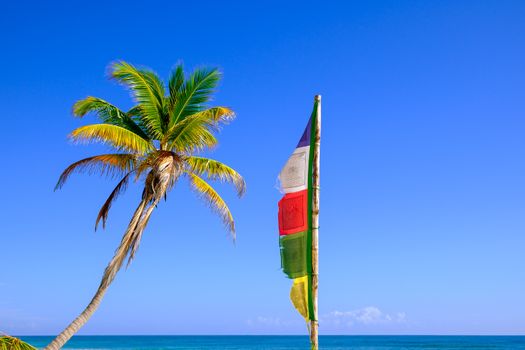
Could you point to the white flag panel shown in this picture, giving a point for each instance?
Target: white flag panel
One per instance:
(294, 175)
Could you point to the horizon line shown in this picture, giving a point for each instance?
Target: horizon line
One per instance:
(279, 335)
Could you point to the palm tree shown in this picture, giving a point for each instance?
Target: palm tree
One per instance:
(156, 143)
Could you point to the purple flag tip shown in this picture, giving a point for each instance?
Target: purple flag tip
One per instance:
(305, 139)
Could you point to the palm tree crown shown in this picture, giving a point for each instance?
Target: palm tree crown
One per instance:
(158, 138)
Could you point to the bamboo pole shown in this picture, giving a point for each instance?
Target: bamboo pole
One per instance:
(314, 332)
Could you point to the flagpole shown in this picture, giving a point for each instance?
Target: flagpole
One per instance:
(314, 332)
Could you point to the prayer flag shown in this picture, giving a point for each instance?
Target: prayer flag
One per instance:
(295, 220)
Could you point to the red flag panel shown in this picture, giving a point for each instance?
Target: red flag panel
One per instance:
(293, 209)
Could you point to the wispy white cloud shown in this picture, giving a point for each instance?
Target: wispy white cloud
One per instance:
(269, 321)
(366, 319)
(370, 315)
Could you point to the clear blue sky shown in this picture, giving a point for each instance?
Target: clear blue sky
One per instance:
(423, 171)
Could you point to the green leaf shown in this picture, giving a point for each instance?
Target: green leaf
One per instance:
(11, 343)
(215, 170)
(108, 114)
(195, 132)
(194, 93)
(148, 90)
(216, 203)
(176, 80)
(116, 136)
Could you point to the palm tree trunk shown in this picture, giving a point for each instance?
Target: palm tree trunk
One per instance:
(67, 333)
(109, 274)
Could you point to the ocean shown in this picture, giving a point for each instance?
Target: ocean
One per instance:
(286, 342)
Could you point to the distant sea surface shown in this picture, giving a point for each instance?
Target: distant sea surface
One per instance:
(287, 342)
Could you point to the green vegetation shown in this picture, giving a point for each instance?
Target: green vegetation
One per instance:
(12, 343)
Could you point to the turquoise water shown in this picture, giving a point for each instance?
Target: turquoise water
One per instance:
(288, 342)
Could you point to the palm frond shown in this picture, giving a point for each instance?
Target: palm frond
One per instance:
(176, 80)
(148, 90)
(135, 111)
(139, 230)
(194, 136)
(107, 113)
(124, 247)
(175, 83)
(194, 93)
(105, 164)
(114, 135)
(101, 108)
(118, 190)
(216, 203)
(215, 170)
(11, 343)
(195, 132)
(137, 114)
(219, 114)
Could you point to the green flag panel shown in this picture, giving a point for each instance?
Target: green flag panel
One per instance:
(293, 254)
